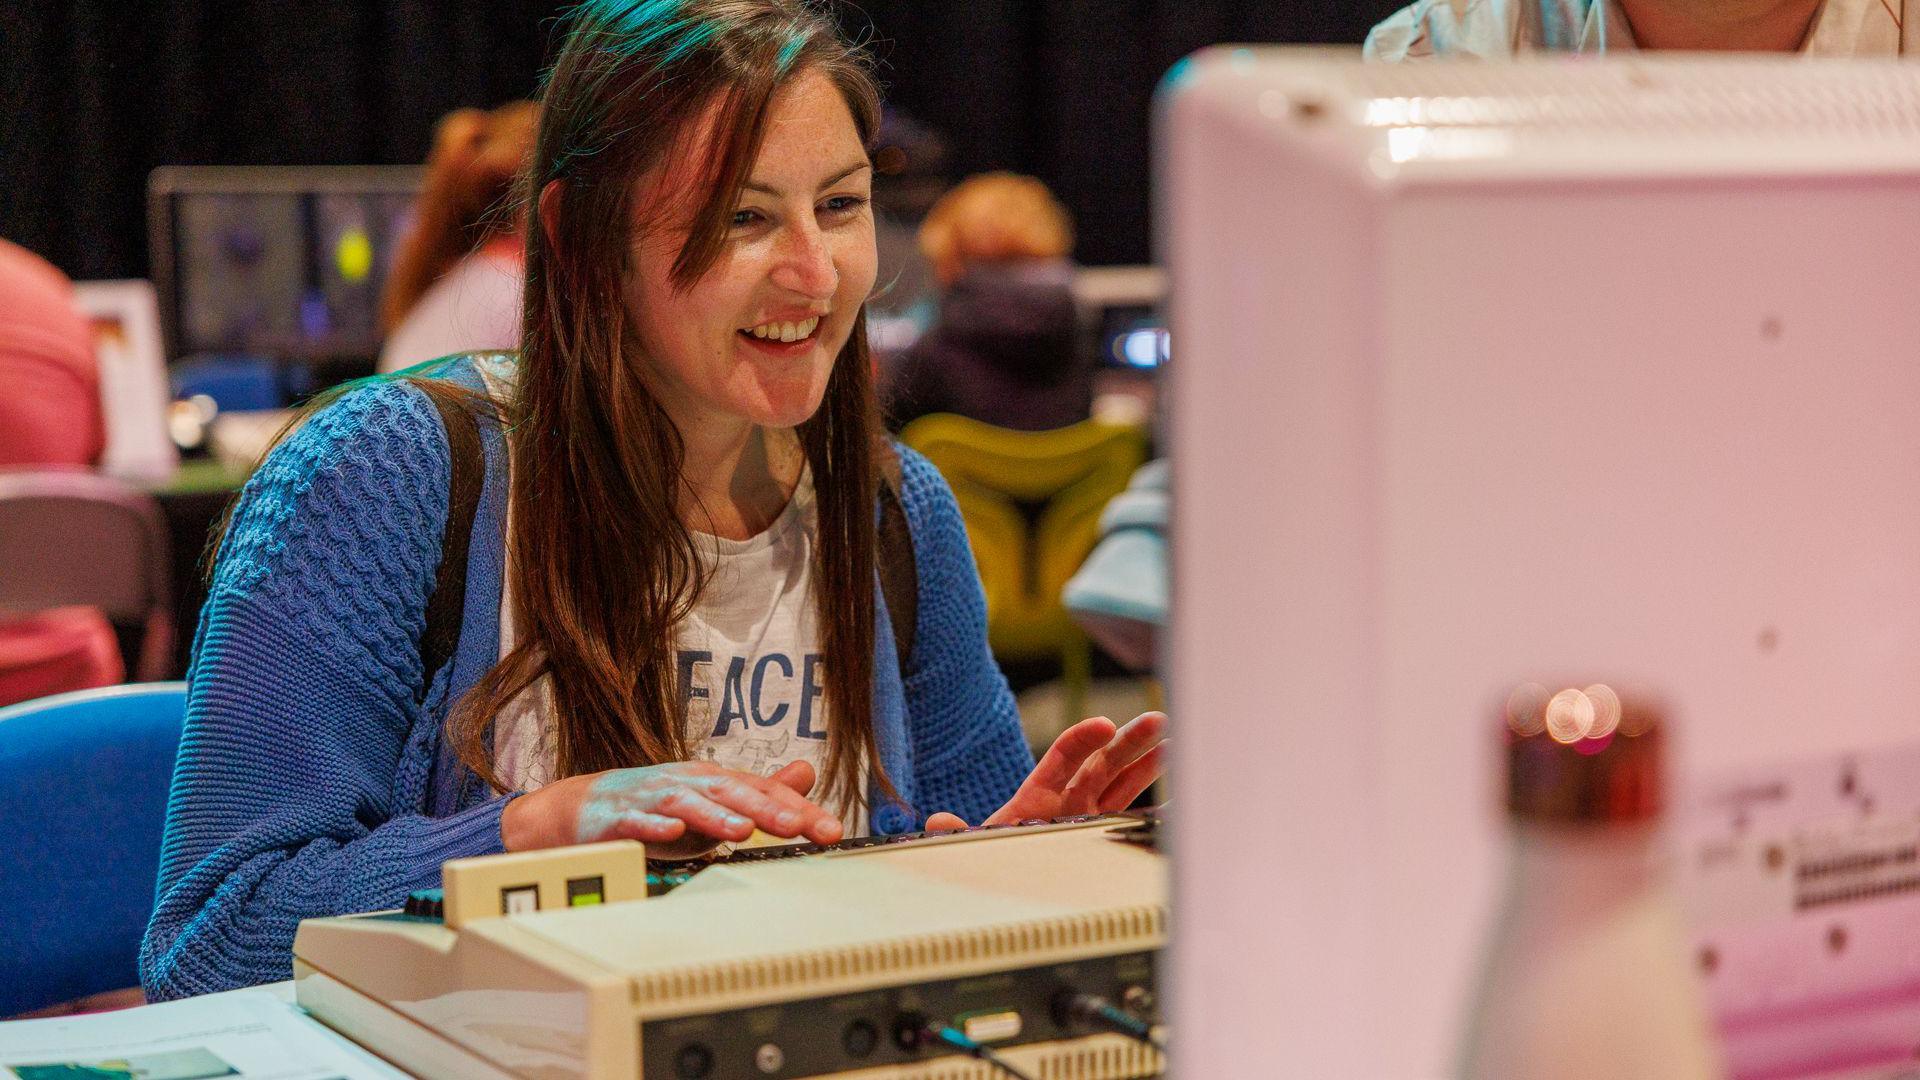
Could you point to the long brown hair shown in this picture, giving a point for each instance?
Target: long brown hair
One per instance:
(600, 566)
(465, 200)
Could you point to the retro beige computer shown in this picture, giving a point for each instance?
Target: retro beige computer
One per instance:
(983, 955)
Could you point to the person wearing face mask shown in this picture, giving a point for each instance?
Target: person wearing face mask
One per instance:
(1492, 29)
(673, 627)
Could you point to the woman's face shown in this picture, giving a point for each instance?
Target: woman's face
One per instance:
(755, 338)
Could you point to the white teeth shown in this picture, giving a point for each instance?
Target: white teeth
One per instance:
(785, 331)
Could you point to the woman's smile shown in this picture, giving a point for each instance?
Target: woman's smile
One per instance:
(785, 338)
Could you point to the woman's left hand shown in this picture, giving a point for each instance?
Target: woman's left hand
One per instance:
(1092, 768)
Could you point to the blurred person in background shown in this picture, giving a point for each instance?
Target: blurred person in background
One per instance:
(456, 282)
(50, 415)
(1005, 348)
(1491, 29)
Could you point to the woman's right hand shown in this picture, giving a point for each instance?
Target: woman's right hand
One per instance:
(678, 810)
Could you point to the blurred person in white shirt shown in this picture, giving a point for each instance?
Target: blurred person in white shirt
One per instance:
(1496, 29)
(456, 282)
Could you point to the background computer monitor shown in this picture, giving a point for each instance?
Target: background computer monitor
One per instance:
(285, 263)
(1498, 373)
(1123, 315)
(1134, 338)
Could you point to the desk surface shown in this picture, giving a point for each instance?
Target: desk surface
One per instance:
(257, 1032)
(375, 1067)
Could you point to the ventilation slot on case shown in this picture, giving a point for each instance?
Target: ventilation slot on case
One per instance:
(1123, 929)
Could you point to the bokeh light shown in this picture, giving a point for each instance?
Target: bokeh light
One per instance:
(1526, 710)
(1569, 716)
(1606, 710)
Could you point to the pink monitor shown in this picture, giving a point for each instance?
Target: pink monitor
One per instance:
(1493, 373)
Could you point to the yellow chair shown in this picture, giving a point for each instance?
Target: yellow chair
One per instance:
(1032, 502)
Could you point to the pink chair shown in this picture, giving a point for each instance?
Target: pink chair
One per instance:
(74, 538)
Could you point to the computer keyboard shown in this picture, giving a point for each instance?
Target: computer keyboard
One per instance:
(665, 875)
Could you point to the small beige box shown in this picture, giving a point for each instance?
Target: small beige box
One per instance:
(521, 882)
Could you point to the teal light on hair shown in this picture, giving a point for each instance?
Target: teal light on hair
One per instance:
(637, 27)
(657, 30)
(795, 42)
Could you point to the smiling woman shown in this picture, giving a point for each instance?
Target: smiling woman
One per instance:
(667, 619)
(754, 339)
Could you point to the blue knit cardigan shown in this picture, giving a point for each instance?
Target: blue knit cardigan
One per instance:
(313, 778)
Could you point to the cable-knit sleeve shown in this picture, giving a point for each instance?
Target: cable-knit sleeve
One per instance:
(963, 730)
(304, 688)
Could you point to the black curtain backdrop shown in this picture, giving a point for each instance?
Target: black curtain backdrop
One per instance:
(95, 93)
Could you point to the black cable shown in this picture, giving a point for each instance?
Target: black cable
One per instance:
(956, 1039)
(1096, 1011)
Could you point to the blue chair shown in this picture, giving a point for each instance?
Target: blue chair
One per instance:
(84, 779)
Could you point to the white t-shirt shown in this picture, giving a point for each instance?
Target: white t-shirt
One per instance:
(748, 661)
(1492, 29)
(474, 307)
